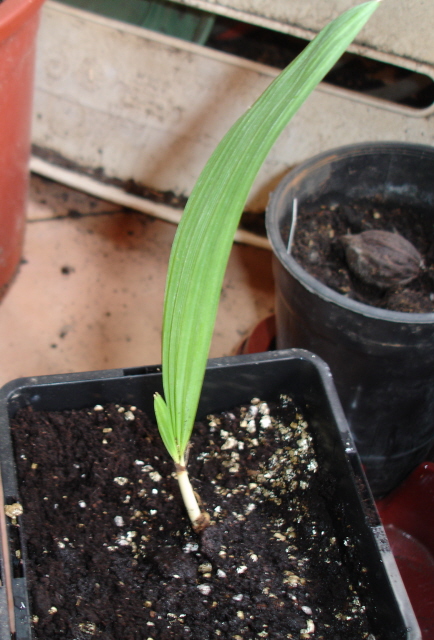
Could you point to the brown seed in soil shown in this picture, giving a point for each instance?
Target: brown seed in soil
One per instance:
(382, 258)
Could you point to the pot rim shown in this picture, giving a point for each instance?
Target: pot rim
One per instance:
(308, 281)
(14, 14)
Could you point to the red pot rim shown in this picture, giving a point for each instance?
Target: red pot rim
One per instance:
(15, 13)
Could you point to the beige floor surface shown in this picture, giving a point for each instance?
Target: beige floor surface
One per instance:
(89, 293)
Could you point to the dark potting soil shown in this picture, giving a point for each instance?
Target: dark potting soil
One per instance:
(317, 248)
(112, 555)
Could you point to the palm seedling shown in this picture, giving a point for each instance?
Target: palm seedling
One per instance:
(204, 238)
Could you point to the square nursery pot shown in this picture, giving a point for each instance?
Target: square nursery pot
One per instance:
(229, 382)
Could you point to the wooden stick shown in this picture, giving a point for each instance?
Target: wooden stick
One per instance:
(6, 560)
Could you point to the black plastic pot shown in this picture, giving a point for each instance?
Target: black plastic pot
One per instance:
(229, 382)
(382, 361)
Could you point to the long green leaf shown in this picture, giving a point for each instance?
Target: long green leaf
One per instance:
(204, 238)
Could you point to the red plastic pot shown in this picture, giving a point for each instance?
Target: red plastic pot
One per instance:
(18, 27)
(262, 338)
(408, 518)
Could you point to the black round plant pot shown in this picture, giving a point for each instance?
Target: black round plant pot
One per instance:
(382, 361)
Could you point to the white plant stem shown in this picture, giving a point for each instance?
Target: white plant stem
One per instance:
(199, 519)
